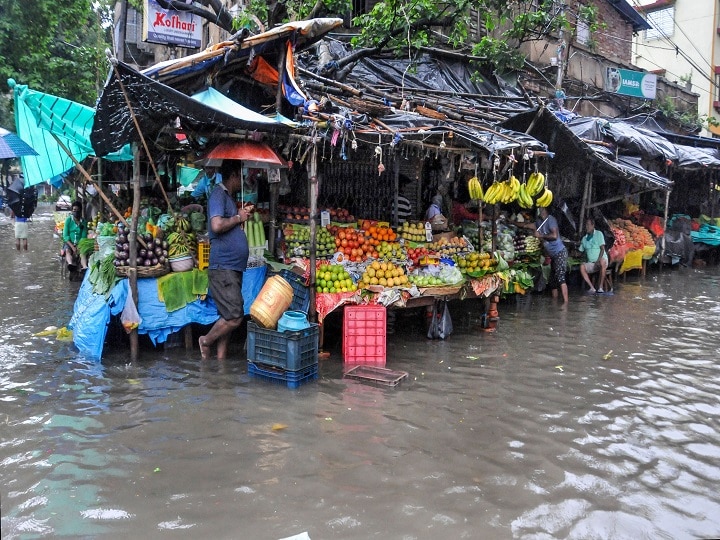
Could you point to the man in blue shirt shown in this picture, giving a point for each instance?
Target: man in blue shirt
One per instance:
(548, 231)
(593, 245)
(228, 259)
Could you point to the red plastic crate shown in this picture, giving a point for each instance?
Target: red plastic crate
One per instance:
(364, 333)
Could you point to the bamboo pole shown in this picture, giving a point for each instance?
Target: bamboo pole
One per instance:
(313, 195)
(132, 240)
(329, 82)
(586, 199)
(142, 137)
(87, 176)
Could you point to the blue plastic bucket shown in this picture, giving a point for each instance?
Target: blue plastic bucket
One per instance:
(292, 321)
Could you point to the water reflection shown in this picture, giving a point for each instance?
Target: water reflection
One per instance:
(597, 421)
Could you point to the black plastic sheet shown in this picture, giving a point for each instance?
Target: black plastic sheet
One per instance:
(155, 106)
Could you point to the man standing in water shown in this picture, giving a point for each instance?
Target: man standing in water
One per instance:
(228, 259)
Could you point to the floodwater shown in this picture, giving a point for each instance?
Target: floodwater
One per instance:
(596, 421)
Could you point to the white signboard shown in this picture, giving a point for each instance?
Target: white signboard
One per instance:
(169, 27)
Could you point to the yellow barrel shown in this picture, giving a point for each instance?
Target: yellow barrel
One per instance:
(272, 301)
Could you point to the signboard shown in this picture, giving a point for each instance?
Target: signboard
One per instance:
(169, 27)
(631, 83)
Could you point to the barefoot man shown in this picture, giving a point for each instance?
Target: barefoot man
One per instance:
(228, 259)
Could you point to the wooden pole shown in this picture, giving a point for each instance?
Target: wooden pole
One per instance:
(396, 189)
(662, 242)
(142, 138)
(585, 199)
(313, 196)
(87, 176)
(132, 240)
(275, 186)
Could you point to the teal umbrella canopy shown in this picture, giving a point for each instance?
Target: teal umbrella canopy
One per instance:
(12, 146)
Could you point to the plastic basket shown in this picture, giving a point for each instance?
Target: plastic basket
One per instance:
(291, 351)
(301, 293)
(203, 255)
(292, 379)
(364, 333)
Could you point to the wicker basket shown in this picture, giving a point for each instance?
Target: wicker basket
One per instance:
(144, 271)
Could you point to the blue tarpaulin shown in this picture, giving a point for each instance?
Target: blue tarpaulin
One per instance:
(92, 311)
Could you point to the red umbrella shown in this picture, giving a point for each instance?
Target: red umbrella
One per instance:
(254, 155)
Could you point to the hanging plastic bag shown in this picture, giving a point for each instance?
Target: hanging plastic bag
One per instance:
(440, 322)
(433, 332)
(445, 325)
(130, 317)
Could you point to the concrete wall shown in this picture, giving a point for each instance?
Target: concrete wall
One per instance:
(696, 37)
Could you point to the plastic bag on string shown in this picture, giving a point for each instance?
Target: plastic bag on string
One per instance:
(130, 317)
(440, 322)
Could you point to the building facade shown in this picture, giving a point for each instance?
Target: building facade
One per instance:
(683, 46)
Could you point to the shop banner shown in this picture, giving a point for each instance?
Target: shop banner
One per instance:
(631, 83)
(169, 27)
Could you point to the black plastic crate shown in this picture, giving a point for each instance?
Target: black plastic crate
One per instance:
(290, 351)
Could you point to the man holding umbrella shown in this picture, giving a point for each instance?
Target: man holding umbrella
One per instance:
(229, 254)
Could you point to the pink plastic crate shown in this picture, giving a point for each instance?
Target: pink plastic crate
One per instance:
(364, 332)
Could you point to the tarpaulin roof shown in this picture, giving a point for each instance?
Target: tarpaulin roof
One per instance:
(219, 102)
(225, 55)
(157, 106)
(430, 78)
(613, 147)
(40, 118)
(448, 96)
(480, 135)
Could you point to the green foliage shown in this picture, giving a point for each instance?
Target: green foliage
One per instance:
(397, 24)
(54, 47)
(689, 120)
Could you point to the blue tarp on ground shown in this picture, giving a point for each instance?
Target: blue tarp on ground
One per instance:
(92, 311)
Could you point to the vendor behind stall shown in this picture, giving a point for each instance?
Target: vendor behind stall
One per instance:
(249, 190)
(461, 206)
(209, 179)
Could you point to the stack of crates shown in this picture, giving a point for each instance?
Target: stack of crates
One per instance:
(289, 357)
(364, 335)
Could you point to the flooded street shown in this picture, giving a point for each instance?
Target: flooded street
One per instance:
(598, 421)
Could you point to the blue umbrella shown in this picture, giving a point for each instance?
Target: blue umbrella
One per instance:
(12, 146)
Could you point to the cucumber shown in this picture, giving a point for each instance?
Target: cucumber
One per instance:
(249, 233)
(261, 233)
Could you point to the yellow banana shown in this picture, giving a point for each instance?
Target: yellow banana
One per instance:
(475, 188)
(545, 199)
(536, 182)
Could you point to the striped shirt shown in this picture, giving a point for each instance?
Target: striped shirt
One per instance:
(404, 209)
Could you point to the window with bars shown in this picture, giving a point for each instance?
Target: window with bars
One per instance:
(662, 22)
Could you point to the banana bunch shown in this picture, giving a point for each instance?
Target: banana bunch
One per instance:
(535, 183)
(545, 199)
(182, 224)
(493, 193)
(181, 243)
(523, 197)
(503, 192)
(475, 189)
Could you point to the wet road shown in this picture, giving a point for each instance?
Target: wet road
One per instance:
(598, 421)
